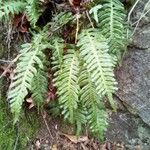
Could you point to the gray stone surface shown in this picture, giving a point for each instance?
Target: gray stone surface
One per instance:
(134, 82)
(130, 130)
(131, 123)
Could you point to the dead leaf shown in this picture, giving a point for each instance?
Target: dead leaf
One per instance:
(31, 103)
(54, 147)
(38, 144)
(84, 147)
(138, 147)
(74, 138)
(103, 147)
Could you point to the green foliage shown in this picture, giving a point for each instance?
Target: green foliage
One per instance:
(95, 115)
(82, 72)
(8, 8)
(66, 82)
(34, 11)
(39, 87)
(32, 8)
(31, 57)
(94, 51)
(111, 23)
(8, 132)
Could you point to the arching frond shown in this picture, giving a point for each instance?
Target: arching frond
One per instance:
(111, 23)
(39, 87)
(94, 51)
(96, 116)
(33, 10)
(10, 8)
(31, 58)
(57, 50)
(66, 81)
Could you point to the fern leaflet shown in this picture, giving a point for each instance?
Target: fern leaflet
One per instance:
(111, 22)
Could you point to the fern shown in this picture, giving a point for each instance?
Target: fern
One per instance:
(111, 22)
(66, 81)
(57, 50)
(31, 55)
(9, 8)
(82, 72)
(94, 51)
(96, 115)
(34, 11)
(39, 87)
(60, 19)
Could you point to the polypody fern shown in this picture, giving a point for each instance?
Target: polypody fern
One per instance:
(81, 66)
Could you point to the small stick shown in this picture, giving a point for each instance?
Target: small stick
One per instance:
(77, 28)
(5, 61)
(89, 19)
(9, 66)
(44, 116)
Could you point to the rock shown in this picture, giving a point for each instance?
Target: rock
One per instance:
(134, 82)
(123, 126)
(141, 38)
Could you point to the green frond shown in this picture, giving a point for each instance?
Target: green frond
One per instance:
(60, 19)
(33, 10)
(96, 115)
(66, 81)
(39, 87)
(111, 23)
(94, 51)
(10, 8)
(31, 58)
(57, 51)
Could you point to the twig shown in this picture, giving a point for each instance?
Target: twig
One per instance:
(129, 15)
(9, 36)
(9, 66)
(87, 13)
(43, 115)
(77, 28)
(140, 20)
(5, 61)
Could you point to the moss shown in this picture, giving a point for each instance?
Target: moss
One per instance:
(8, 132)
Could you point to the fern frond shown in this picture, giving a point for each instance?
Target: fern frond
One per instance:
(111, 23)
(59, 20)
(66, 81)
(96, 115)
(94, 51)
(39, 87)
(34, 11)
(31, 58)
(10, 8)
(57, 51)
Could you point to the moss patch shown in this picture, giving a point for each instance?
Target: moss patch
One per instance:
(15, 137)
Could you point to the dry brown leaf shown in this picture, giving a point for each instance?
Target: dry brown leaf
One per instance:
(138, 147)
(103, 147)
(54, 147)
(30, 101)
(37, 144)
(75, 139)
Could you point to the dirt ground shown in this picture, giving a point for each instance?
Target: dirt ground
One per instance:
(56, 135)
